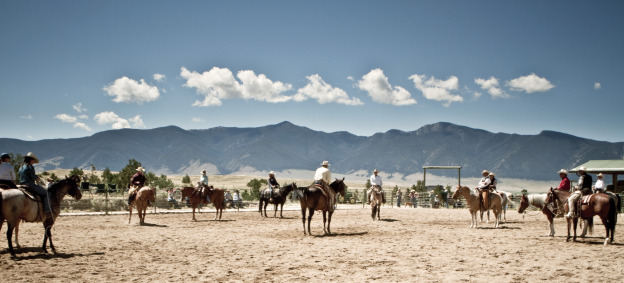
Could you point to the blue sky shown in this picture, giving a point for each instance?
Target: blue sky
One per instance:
(74, 68)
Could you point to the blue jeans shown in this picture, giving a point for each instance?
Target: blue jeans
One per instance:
(43, 193)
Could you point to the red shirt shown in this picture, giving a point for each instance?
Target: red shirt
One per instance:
(565, 184)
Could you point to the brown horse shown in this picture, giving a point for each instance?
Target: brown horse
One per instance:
(314, 199)
(143, 195)
(472, 199)
(279, 198)
(376, 199)
(16, 206)
(197, 197)
(539, 201)
(17, 245)
(599, 204)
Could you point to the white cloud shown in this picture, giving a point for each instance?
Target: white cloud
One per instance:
(78, 107)
(597, 86)
(117, 122)
(438, 90)
(65, 118)
(530, 84)
(380, 90)
(323, 92)
(130, 91)
(27, 117)
(196, 119)
(219, 84)
(159, 77)
(491, 85)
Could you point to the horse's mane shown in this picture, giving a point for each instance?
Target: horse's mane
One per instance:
(61, 183)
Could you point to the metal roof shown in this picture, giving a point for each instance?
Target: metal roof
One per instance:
(615, 166)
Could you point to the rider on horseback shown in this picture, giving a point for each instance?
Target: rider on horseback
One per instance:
(583, 188)
(375, 181)
(203, 182)
(565, 182)
(273, 184)
(600, 185)
(484, 186)
(28, 177)
(7, 172)
(322, 177)
(136, 183)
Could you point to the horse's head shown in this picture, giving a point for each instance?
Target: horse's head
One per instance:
(457, 192)
(339, 186)
(151, 196)
(524, 203)
(69, 186)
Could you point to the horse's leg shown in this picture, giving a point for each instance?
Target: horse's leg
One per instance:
(325, 222)
(275, 210)
(260, 206)
(9, 236)
(575, 221)
(310, 213)
(552, 225)
(373, 211)
(192, 206)
(569, 226)
(303, 216)
(379, 211)
(17, 245)
(282, 209)
(130, 214)
(49, 235)
(605, 222)
(329, 222)
(584, 224)
(220, 213)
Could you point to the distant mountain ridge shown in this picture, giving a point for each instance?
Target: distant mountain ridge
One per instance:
(283, 146)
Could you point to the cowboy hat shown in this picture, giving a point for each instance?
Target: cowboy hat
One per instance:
(582, 168)
(4, 155)
(203, 171)
(375, 171)
(485, 172)
(325, 163)
(140, 169)
(599, 174)
(33, 156)
(271, 173)
(492, 174)
(563, 171)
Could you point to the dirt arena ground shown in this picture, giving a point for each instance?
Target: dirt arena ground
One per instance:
(407, 245)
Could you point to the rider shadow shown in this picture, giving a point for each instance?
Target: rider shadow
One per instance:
(340, 234)
(212, 220)
(39, 255)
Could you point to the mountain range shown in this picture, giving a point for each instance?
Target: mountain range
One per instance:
(285, 146)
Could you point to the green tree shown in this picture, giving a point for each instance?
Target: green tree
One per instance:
(94, 179)
(162, 182)
(107, 176)
(124, 176)
(255, 185)
(368, 184)
(54, 177)
(186, 179)
(76, 172)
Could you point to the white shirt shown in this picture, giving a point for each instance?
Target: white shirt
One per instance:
(7, 172)
(375, 180)
(323, 174)
(485, 181)
(599, 184)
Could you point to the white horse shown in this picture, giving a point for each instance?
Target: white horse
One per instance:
(505, 202)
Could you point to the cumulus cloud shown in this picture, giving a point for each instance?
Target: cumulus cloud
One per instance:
(323, 92)
(438, 90)
(130, 91)
(597, 86)
(65, 118)
(530, 84)
(380, 90)
(219, 84)
(117, 122)
(78, 107)
(491, 85)
(197, 119)
(159, 77)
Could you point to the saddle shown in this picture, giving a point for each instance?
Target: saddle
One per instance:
(27, 191)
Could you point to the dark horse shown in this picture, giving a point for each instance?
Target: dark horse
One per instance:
(197, 197)
(599, 204)
(15, 205)
(313, 199)
(278, 198)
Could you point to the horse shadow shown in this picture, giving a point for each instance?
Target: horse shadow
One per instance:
(500, 227)
(388, 220)
(340, 234)
(212, 220)
(153, 225)
(38, 254)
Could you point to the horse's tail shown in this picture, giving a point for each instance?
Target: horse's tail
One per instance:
(618, 204)
(590, 224)
(612, 217)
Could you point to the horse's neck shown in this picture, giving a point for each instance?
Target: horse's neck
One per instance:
(537, 200)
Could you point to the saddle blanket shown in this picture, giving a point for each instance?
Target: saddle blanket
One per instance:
(586, 199)
(28, 193)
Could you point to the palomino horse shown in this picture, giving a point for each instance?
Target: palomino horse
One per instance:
(473, 202)
(502, 217)
(313, 199)
(143, 195)
(16, 206)
(599, 204)
(278, 198)
(197, 197)
(376, 199)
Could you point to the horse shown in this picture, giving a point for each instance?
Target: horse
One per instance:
(376, 199)
(15, 205)
(143, 195)
(197, 197)
(599, 204)
(17, 245)
(539, 201)
(504, 196)
(278, 198)
(472, 198)
(313, 198)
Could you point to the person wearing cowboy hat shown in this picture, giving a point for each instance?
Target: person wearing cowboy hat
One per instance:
(203, 183)
(7, 172)
(565, 182)
(29, 177)
(137, 182)
(375, 181)
(273, 184)
(322, 177)
(484, 186)
(583, 188)
(600, 185)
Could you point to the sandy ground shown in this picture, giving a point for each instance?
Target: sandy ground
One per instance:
(407, 245)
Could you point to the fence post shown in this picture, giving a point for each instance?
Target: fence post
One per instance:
(106, 201)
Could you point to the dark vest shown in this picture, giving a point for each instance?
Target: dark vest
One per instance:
(587, 184)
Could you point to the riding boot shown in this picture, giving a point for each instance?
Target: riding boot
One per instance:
(571, 208)
(368, 201)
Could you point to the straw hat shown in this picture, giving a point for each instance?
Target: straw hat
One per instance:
(325, 163)
(140, 169)
(375, 171)
(599, 175)
(582, 168)
(33, 156)
(563, 171)
(271, 173)
(485, 172)
(492, 174)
